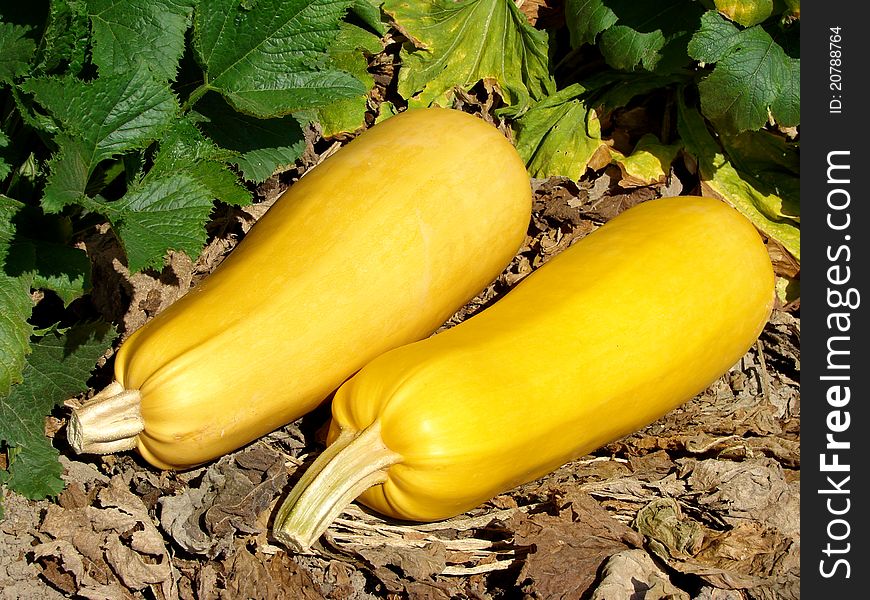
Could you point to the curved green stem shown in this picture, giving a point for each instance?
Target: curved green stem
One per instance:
(194, 97)
(354, 462)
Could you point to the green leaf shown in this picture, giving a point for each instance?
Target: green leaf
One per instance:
(369, 12)
(65, 42)
(386, 110)
(650, 35)
(5, 167)
(38, 120)
(745, 12)
(127, 33)
(15, 305)
(15, 309)
(586, 19)
(56, 370)
(69, 171)
(100, 119)
(60, 268)
(611, 89)
(458, 44)
(559, 135)
(16, 50)
(110, 114)
(38, 252)
(786, 106)
(8, 209)
(159, 215)
(259, 146)
(752, 77)
(169, 207)
(771, 206)
(185, 151)
(625, 48)
(347, 53)
(270, 60)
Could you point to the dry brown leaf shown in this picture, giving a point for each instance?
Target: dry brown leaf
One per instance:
(784, 264)
(179, 518)
(230, 498)
(611, 205)
(341, 581)
(632, 573)
(545, 14)
(652, 465)
(418, 564)
(755, 490)
(260, 577)
(108, 550)
(207, 582)
(744, 530)
(712, 593)
(136, 569)
(749, 549)
(428, 590)
(64, 566)
(577, 540)
(732, 447)
(410, 565)
(19, 576)
(756, 546)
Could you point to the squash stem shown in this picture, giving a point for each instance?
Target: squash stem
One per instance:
(354, 462)
(107, 423)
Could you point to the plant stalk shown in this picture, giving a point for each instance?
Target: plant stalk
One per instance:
(354, 462)
(194, 97)
(107, 423)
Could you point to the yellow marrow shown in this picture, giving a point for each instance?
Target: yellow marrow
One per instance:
(374, 248)
(607, 337)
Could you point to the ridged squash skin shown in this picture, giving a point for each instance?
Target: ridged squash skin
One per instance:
(374, 248)
(625, 325)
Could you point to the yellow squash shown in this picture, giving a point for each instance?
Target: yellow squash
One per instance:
(622, 327)
(374, 248)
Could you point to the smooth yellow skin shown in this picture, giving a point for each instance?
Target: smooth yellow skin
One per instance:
(607, 337)
(374, 248)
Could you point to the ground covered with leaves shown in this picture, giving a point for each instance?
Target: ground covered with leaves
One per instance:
(701, 504)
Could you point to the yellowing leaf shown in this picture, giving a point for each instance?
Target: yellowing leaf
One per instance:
(794, 8)
(771, 208)
(458, 44)
(649, 162)
(745, 12)
(772, 163)
(559, 135)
